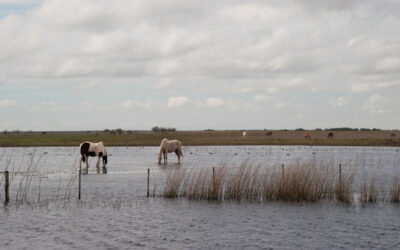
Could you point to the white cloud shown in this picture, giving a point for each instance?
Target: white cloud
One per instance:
(213, 102)
(7, 103)
(361, 87)
(52, 107)
(147, 104)
(353, 41)
(390, 64)
(259, 98)
(253, 12)
(377, 104)
(20, 1)
(340, 101)
(165, 83)
(178, 101)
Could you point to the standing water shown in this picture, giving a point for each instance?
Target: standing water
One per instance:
(44, 211)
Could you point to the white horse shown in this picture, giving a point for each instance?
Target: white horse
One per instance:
(169, 147)
(244, 134)
(93, 149)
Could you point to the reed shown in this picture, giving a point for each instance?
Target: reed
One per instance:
(344, 187)
(198, 184)
(368, 192)
(173, 183)
(395, 190)
(296, 182)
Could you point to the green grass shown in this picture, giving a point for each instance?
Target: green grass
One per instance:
(199, 138)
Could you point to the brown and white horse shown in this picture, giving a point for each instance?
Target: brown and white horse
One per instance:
(169, 146)
(307, 136)
(93, 149)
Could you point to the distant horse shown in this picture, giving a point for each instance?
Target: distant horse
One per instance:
(307, 136)
(330, 135)
(244, 135)
(268, 134)
(169, 146)
(393, 135)
(93, 149)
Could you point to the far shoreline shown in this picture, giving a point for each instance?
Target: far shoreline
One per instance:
(372, 138)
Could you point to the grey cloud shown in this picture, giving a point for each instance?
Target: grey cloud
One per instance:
(241, 48)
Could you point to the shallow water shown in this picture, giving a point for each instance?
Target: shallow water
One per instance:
(115, 214)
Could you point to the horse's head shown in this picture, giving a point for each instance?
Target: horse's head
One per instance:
(159, 157)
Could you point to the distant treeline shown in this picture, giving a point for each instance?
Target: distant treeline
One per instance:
(158, 129)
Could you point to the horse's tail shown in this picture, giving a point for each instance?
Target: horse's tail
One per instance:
(181, 153)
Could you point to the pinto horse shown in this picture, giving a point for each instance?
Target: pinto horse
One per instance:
(93, 149)
(330, 135)
(307, 136)
(169, 146)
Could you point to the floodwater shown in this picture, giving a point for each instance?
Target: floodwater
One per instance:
(114, 212)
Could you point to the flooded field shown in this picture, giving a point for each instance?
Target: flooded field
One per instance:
(114, 212)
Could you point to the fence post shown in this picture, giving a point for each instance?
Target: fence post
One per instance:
(148, 182)
(340, 176)
(7, 187)
(79, 183)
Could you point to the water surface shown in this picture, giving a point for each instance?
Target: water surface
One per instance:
(115, 214)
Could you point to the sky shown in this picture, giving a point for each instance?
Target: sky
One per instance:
(193, 65)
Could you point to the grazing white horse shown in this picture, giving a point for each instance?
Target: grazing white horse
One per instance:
(169, 146)
(93, 149)
(244, 134)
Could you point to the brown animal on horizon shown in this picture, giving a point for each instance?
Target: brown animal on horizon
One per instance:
(393, 135)
(268, 134)
(307, 136)
(330, 135)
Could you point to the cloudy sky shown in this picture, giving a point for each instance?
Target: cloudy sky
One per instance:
(88, 65)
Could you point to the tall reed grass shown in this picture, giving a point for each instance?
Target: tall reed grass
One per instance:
(395, 190)
(295, 182)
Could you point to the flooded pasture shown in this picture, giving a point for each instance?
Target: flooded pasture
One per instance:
(114, 212)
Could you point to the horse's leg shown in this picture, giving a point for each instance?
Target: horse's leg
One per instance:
(87, 164)
(98, 165)
(179, 156)
(165, 156)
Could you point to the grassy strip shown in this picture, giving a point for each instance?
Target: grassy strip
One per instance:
(199, 138)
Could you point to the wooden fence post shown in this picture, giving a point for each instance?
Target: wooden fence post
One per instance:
(7, 186)
(148, 182)
(340, 176)
(79, 183)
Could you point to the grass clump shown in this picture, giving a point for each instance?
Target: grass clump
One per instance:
(309, 182)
